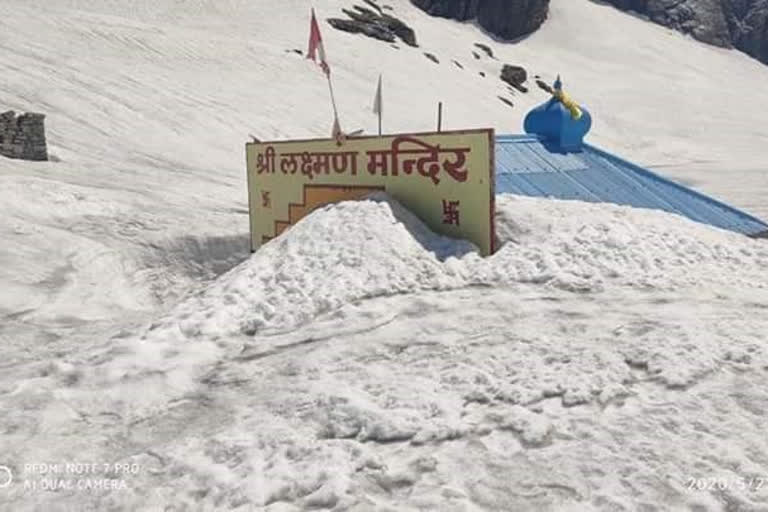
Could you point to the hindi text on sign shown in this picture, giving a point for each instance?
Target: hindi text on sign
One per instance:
(405, 154)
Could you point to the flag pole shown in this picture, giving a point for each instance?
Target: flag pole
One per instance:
(333, 99)
(316, 43)
(439, 116)
(380, 122)
(336, 123)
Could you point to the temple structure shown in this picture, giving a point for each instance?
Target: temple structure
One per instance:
(553, 160)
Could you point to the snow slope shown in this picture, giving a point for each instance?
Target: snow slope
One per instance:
(600, 360)
(351, 368)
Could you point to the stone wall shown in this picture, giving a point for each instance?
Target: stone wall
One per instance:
(23, 136)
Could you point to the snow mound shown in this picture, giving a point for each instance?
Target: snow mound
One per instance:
(338, 254)
(578, 245)
(358, 250)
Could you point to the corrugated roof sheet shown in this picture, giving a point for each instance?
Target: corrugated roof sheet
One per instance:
(525, 166)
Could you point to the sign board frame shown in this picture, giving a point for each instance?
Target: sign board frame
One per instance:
(295, 168)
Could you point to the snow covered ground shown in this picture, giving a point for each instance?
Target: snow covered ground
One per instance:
(604, 359)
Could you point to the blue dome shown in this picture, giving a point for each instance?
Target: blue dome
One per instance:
(553, 122)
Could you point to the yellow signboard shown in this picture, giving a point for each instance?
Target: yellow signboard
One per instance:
(446, 179)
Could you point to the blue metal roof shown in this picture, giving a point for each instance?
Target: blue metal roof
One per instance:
(528, 165)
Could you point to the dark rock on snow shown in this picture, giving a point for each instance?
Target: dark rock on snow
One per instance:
(742, 24)
(431, 57)
(401, 30)
(505, 100)
(703, 19)
(514, 76)
(374, 5)
(486, 49)
(356, 27)
(748, 26)
(374, 24)
(544, 86)
(460, 10)
(727, 23)
(508, 19)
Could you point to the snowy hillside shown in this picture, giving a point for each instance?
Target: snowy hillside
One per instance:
(603, 359)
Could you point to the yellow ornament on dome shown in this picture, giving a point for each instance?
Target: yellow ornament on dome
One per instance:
(566, 100)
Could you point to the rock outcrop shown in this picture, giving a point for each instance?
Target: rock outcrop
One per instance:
(748, 25)
(508, 19)
(727, 23)
(742, 24)
(515, 76)
(374, 24)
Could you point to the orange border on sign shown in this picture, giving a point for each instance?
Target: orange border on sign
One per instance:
(372, 188)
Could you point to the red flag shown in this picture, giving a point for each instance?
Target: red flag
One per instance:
(316, 45)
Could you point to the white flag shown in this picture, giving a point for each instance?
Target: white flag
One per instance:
(377, 100)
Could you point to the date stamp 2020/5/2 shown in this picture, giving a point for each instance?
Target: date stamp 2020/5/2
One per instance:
(746, 484)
